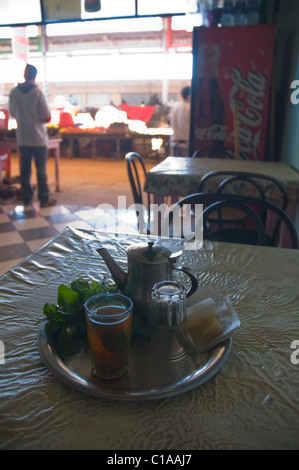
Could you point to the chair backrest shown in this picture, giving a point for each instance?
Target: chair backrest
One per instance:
(173, 147)
(136, 171)
(265, 187)
(216, 202)
(225, 180)
(208, 152)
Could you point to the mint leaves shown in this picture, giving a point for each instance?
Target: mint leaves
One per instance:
(66, 320)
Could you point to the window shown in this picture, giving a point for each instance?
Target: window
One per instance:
(16, 11)
(164, 7)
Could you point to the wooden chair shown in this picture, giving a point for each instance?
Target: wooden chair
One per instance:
(254, 184)
(224, 181)
(136, 172)
(255, 211)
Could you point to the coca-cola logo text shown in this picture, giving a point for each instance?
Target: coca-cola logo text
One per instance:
(215, 132)
(250, 109)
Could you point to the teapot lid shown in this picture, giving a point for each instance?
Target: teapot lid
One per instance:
(147, 253)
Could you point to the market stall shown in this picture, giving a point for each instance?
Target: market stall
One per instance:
(114, 143)
(110, 132)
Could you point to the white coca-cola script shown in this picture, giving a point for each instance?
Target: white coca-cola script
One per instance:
(215, 132)
(250, 108)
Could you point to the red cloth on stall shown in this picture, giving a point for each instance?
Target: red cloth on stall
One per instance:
(141, 113)
(66, 119)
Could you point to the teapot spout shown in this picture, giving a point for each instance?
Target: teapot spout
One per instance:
(118, 274)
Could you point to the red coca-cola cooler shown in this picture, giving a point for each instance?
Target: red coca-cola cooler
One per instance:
(231, 87)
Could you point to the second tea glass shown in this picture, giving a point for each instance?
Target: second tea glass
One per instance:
(167, 319)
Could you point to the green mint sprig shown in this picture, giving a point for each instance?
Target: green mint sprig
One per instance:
(66, 319)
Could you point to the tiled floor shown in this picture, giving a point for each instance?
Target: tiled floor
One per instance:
(84, 185)
(24, 230)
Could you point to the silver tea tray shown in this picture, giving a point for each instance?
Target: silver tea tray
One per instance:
(147, 378)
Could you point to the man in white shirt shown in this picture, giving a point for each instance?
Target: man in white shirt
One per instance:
(180, 123)
(27, 104)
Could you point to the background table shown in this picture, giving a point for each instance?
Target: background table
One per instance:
(53, 144)
(251, 403)
(181, 176)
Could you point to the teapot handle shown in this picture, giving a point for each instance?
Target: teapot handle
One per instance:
(194, 281)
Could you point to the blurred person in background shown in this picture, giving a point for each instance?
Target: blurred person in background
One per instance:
(180, 123)
(27, 104)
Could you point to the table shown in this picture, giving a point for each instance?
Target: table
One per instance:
(9, 145)
(180, 176)
(252, 402)
(125, 141)
(89, 139)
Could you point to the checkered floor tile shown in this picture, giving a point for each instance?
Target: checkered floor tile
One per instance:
(24, 230)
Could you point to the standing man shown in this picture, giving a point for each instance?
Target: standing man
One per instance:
(27, 104)
(180, 123)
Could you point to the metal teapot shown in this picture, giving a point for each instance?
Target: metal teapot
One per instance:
(147, 265)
